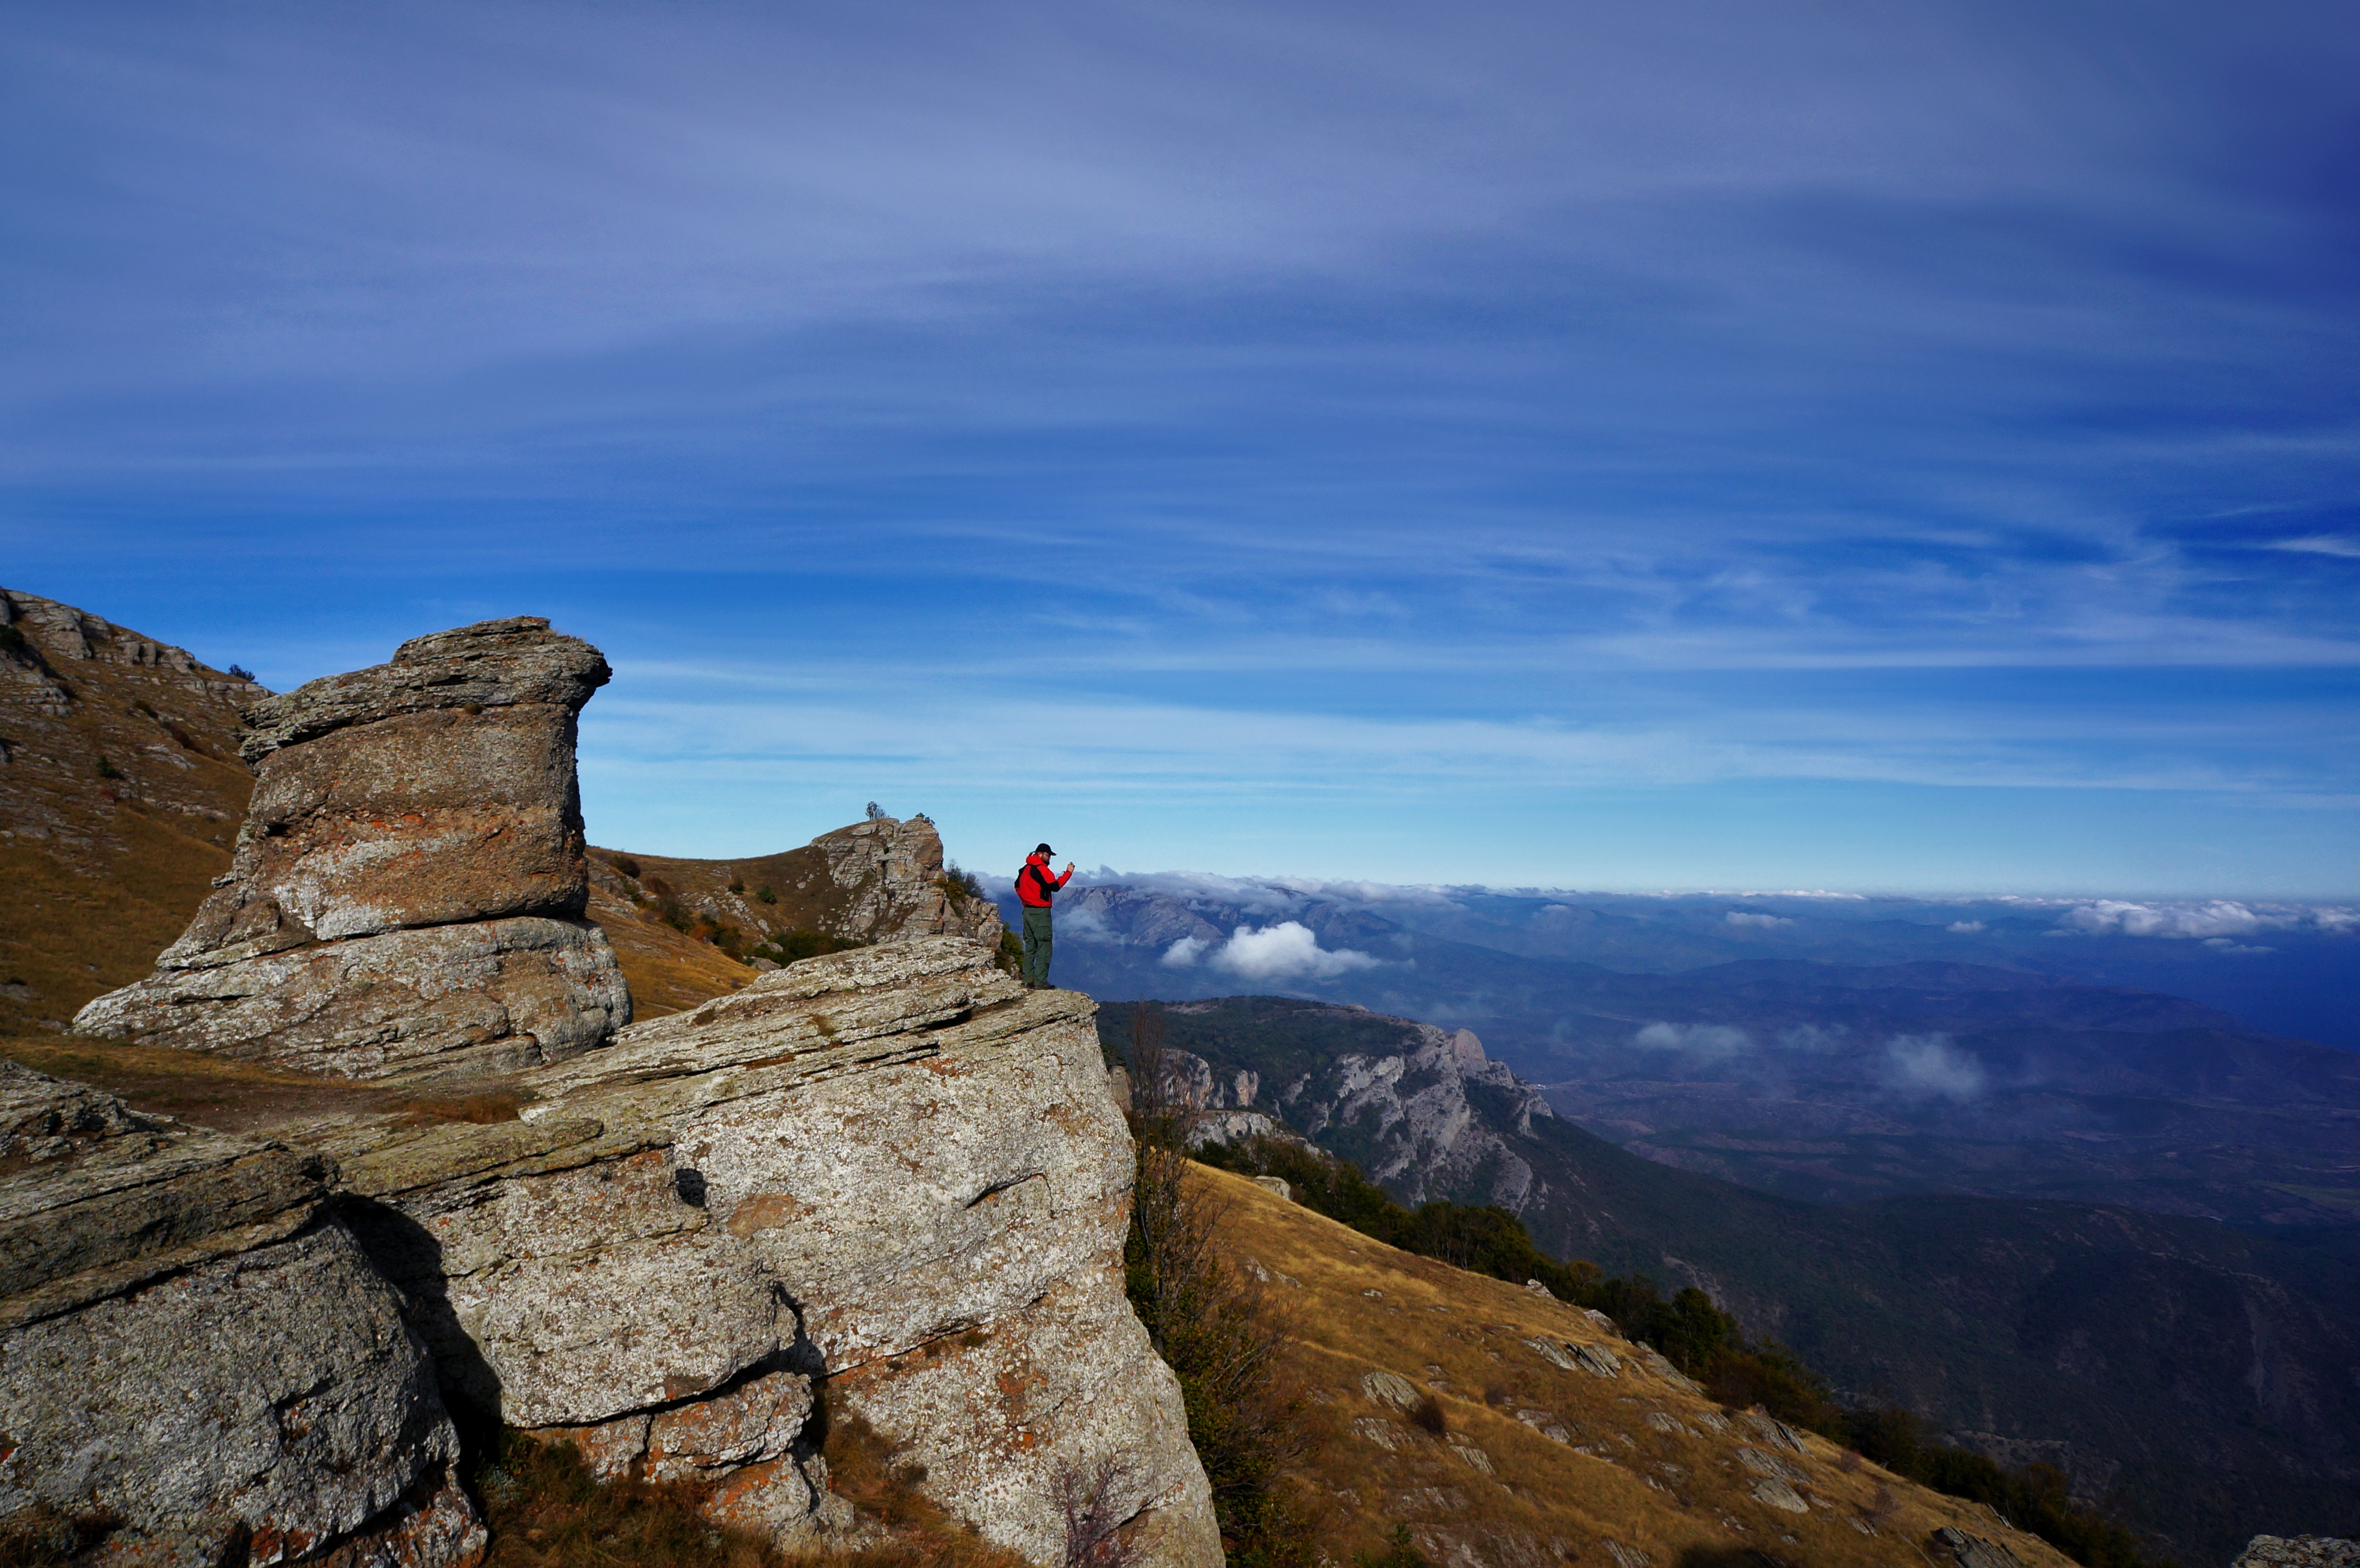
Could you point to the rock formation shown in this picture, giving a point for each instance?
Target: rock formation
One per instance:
(197, 1357)
(406, 895)
(892, 1170)
(890, 872)
(888, 1183)
(872, 881)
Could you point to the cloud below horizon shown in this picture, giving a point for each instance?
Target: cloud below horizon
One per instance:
(1287, 951)
(1932, 1066)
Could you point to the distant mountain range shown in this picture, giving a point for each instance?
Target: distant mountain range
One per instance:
(2203, 1376)
(1824, 1076)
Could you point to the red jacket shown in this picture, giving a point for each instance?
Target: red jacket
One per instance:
(1034, 887)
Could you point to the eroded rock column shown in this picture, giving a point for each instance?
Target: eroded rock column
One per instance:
(407, 894)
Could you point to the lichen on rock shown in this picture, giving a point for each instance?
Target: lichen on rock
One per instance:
(890, 1178)
(193, 1347)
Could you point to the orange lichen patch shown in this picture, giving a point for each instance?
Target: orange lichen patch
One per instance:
(765, 1211)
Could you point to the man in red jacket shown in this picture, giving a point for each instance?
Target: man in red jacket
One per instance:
(1036, 889)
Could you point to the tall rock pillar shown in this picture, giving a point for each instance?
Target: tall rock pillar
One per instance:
(407, 895)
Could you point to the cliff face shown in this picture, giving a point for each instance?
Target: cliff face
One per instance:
(406, 895)
(890, 1183)
(1422, 1109)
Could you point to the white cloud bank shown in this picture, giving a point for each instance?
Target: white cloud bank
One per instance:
(2220, 917)
(1286, 950)
(2218, 924)
(1928, 1065)
(1739, 918)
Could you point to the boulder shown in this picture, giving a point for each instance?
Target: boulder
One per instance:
(198, 1363)
(1964, 1550)
(890, 1180)
(406, 897)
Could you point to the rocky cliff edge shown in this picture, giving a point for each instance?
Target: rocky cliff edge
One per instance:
(889, 1181)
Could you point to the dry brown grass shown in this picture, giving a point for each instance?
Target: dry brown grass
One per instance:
(236, 1096)
(669, 972)
(1358, 1306)
(869, 1472)
(75, 926)
(546, 1509)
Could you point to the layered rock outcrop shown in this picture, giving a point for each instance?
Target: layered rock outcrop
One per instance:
(891, 1172)
(406, 897)
(197, 1359)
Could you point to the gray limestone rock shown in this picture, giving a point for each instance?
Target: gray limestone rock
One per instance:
(1972, 1550)
(892, 1167)
(406, 895)
(887, 871)
(516, 662)
(203, 1357)
(480, 997)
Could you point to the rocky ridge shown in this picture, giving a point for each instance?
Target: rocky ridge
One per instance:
(1407, 1111)
(406, 895)
(640, 1263)
(643, 1264)
(687, 930)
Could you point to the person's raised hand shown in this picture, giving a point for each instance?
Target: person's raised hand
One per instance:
(1069, 868)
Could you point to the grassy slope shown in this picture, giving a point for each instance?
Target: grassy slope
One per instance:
(668, 971)
(103, 871)
(1674, 1494)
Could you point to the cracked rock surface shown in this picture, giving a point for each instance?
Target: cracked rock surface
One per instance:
(891, 1177)
(191, 1344)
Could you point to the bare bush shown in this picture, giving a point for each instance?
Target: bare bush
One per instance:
(1212, 1326)
(1098, 1502)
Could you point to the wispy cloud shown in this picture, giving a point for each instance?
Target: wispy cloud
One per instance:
(1932, 1066)
(1338, 409)
(1708, 1042)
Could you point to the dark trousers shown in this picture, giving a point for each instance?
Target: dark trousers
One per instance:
(1036, 946)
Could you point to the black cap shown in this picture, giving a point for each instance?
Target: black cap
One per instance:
(1042, 849)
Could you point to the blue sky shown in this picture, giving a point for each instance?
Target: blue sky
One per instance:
(1865, 446)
